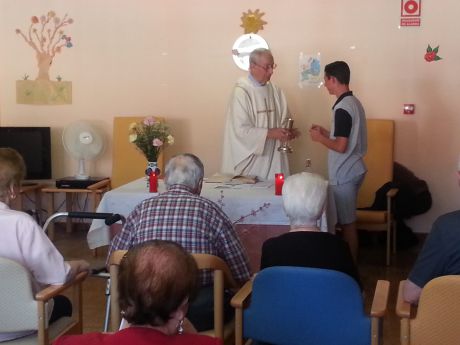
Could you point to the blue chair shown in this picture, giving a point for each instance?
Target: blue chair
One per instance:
(301, 306)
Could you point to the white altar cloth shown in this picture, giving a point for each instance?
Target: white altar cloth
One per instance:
(255, 203)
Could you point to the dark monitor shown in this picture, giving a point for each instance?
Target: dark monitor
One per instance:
(34, 144)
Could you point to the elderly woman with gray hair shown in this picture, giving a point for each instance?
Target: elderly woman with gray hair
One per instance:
(25, 242)
(304, 199)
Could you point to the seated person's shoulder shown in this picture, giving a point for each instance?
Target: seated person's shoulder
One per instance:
(21, 221)
(447, 225)
(209, 204)
(89, 338)
(448, 219)
(198, 339)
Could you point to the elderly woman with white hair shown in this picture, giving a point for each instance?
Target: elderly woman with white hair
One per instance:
(304, 199)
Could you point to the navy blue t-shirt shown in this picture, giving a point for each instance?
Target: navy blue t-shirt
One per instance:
(440, 255)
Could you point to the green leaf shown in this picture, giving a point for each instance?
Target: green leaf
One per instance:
(436, 58)
(429, 49)
(436, 49)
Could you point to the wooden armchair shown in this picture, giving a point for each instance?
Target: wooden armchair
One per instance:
(379, 162)
(223, 279)
(436, 320)
(21, 311)
(114, 267)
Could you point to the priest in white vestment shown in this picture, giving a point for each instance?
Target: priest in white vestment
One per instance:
(256, 116)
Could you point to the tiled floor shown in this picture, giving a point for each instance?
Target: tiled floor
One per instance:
(371, 267)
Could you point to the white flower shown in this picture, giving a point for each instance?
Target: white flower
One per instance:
(170, 139)
(132, 137)
(132, 126)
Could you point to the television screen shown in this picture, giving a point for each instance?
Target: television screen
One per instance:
(34, 144)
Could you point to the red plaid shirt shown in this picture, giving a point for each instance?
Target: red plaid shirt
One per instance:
(196, 223)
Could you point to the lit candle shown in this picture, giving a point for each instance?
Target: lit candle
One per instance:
(153, 183)
(279, 181)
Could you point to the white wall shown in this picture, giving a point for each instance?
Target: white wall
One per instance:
(173, 58)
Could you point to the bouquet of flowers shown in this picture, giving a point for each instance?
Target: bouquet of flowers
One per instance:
(150, 136)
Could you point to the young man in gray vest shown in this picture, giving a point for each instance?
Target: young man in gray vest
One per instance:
(347, 144)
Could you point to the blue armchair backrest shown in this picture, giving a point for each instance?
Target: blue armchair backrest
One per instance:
(301, 306)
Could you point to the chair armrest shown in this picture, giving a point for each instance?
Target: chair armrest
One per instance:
(380, 301)
(392, 192)
(53, 290)
(403, 308)
(241, 296)
(116, 257)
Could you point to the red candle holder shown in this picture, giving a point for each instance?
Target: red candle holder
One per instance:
(153, 183)
(279, 181)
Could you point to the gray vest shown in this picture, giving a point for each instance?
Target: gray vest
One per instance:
(343, 167)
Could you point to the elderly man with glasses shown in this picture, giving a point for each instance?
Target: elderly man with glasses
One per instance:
(256, 116)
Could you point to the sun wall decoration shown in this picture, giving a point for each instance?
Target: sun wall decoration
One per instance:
(252, 21)
(46, 36)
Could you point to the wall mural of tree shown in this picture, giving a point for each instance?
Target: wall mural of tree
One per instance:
(46, 36)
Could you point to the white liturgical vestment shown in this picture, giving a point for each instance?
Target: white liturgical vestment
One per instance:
(252, 110)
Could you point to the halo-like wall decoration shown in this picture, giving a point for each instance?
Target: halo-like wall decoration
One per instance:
(243, 46)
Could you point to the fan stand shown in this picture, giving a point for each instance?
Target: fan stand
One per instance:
(81, 170)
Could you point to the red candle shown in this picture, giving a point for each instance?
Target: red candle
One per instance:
(279, 181)
(153, 183)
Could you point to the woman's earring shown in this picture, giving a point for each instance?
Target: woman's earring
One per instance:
(180, 327)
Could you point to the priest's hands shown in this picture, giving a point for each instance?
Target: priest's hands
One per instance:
(282, 134)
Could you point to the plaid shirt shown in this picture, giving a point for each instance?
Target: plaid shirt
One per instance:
(194, 222)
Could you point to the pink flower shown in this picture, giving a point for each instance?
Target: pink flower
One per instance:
(149, 121)
(34, 20)
(157, 142)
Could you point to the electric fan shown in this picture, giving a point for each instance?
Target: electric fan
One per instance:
(84, 142)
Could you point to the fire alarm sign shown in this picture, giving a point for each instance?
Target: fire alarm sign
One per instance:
(411, 8)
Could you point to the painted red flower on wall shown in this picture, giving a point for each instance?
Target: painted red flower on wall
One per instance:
(432, 54)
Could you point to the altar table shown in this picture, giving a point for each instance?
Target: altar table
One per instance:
(255, 210)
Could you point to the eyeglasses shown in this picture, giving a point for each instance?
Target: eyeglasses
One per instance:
(267, 67)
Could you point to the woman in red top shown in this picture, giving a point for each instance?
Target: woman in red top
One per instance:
(156, 281)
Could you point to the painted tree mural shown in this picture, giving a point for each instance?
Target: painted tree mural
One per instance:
(47, 38)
